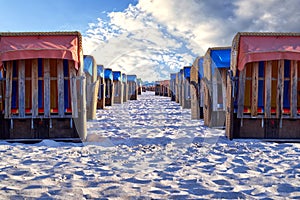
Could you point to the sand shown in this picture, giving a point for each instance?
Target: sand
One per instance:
(150, 149)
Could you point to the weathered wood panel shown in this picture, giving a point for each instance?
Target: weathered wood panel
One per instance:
(254, 89)
(280, 87)
(60, 88)
(46, 88)
(21, 87)
(215, 91)
(241, 96)
(268, 89)
(294, 82)
(34, 85)
(224, 86)
(73, 89)
(8, 88)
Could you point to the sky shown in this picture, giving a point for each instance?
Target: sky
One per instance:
(150, 38)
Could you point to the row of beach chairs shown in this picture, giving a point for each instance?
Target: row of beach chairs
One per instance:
(251, 89)
(49, 89)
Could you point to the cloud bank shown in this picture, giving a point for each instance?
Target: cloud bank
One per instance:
(157, 37)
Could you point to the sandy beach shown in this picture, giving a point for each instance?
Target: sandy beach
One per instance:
(150, 149)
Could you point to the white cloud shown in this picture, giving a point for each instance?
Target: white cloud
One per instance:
(169, 34)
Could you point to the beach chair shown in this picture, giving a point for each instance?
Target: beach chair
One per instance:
(186, 89)
(165, 88)
(118, 87)
(101, 91)
(44, 92)
(173, 86)
(177, 89)
(179, 86)
(216, 63)
(109, 87)
(92, 85)
(139, 84)
(125, 88)
(263, 88)
(197, 89)
(132, 87)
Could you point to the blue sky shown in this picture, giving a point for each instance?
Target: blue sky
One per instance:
(53, 15)
(150, 38)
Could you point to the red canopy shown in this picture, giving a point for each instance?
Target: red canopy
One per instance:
(254, 48)
(30, 46)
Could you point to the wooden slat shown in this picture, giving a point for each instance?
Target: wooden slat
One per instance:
(241, 96)
(224, 83)
(21, 87)
(214, 91)
(294, 82)
(229, 109)
(60, 88)
(47, 88)
(8, 89)
(268, 84)
(34, 85)
(254, 89)
(177, 88)
(280, 87)
(73, 89)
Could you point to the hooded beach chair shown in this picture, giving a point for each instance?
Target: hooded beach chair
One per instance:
(263, 89)
(44, 86)
(216, 64)
(197, 89)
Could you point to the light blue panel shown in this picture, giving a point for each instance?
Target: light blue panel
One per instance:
(88, 64)
(132, 78)
(108, 74)
(100, 71)
(117, 76)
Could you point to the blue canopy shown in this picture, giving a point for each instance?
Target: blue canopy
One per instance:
(187, 72)
(172, 76)
(132, 78)
(88, 64)
(117, 76)
(108, 74)
(100, 71)
(201, 70)
(220, 58)
(124, 78)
